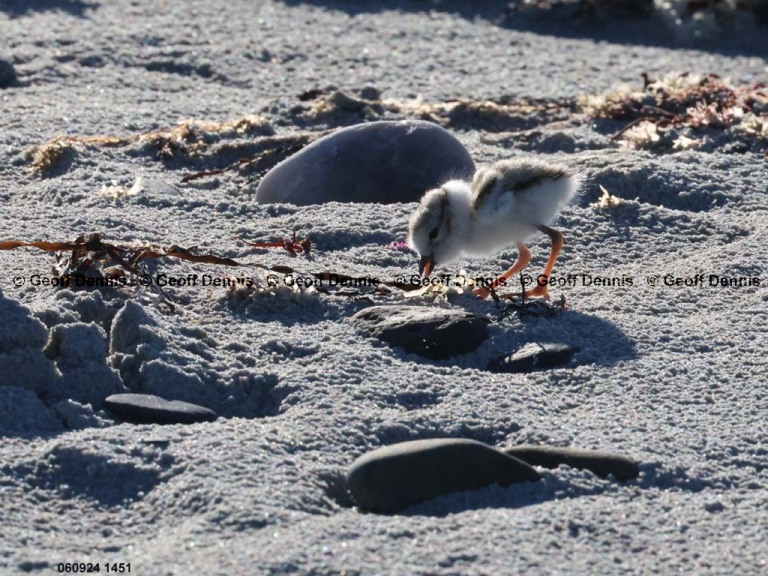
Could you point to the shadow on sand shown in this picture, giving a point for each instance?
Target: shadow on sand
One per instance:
(16, 8)
(616, 24)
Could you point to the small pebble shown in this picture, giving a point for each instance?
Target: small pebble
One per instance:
(433, 333)
(382, 162)
(714, 506)
(370, 93)
(600, 463)
(7, 73)
(533, 357)
(392, 478)
(149, 409)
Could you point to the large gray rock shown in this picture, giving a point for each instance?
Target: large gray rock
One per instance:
(395, 477)
(384, 162)
(434, 333)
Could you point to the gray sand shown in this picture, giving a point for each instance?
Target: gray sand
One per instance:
(672, 376)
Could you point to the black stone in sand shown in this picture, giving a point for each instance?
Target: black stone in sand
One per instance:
(392, 478)
(149, 409)
(382, 162)
(433, 333)
(601, 463)
(530, 359)
(7, 73)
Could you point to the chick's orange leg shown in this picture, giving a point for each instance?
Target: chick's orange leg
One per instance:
(523, 258)
(557, 245)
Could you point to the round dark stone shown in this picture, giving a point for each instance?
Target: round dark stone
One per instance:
(392, 478)
(7, 73)
(379, 162)
(149, 409)
(714, 506)
(433, 333)
(370, 93)
(532, 358)
(601, 463)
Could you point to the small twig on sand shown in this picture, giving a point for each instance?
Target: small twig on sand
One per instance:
(632, 124)
(293, 246)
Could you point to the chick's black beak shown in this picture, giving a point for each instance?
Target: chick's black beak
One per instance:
(426, 265)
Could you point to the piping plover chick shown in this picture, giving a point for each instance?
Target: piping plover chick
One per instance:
(505, 204)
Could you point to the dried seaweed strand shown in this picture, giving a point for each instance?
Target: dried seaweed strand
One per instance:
(293, 246)
(89, 254)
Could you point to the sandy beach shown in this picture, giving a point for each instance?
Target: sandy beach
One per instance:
(152, 124)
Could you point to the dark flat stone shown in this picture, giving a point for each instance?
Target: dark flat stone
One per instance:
(714, 506)
(382, 162)
(7, 73)
(532, 358)
(601, 463)
(149, 409)
(433, 333)
(392, 478)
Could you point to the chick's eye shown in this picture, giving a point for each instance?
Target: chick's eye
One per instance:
(433, 234)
